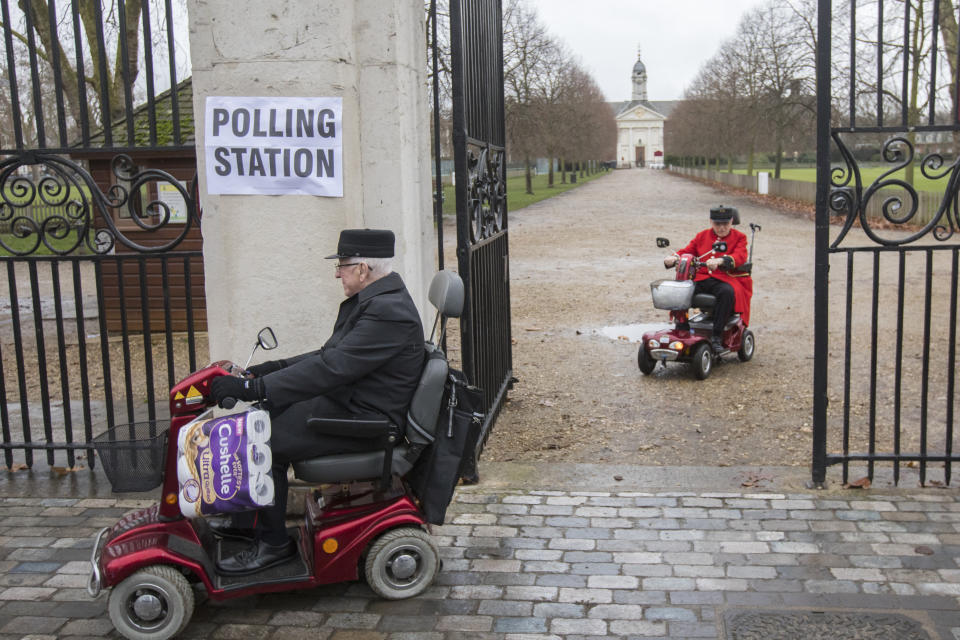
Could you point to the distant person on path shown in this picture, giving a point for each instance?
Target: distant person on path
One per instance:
(719, 275)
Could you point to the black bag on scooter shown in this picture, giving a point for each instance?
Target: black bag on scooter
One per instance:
(436, 473)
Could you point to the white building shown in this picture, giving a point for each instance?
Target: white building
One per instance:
(640, 124)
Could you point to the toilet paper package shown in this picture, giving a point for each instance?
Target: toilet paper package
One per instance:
(223, 464)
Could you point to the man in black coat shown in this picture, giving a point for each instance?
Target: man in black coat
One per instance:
(370, 365)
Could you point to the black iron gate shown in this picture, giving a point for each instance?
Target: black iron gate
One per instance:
(99, 247)
(887, 271)
(476, 55)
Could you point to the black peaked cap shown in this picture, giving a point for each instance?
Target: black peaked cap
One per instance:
(366, 243)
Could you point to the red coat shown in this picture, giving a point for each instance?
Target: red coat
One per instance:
(742, 283)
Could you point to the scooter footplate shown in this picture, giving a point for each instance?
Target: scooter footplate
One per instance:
(293, 570)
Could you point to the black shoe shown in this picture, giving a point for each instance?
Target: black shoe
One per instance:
(235, 533)
(717, 345)
(258, 557)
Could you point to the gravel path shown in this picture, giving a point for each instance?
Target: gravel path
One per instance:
(581, 264)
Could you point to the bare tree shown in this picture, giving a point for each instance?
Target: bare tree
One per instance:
(528, 52)
(109, 42)
(783, 65)
(756, 93)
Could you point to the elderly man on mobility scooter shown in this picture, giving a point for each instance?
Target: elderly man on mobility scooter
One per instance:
(719, 275)
(370, 365)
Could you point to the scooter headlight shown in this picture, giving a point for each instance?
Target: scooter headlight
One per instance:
(653, 344)
(676, 346)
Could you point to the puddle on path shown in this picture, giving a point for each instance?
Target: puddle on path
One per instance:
(633, 332)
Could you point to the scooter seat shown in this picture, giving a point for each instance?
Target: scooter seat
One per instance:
(705, 321)
(422, 418)
(348, 467)
(703, 301)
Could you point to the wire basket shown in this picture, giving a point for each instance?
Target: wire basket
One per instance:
(672, 295)
(133, 455)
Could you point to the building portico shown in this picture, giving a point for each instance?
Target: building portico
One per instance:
(640, 124)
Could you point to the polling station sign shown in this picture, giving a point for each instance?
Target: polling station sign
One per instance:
(274, 146)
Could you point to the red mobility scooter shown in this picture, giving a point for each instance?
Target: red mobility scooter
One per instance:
(688, 340)
(364, 521)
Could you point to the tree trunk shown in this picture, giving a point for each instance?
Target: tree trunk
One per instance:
(776, 167)
(948, 31)
(528, 175)
(550, 175)
(913, 112)
(40, 12)
(563, 171)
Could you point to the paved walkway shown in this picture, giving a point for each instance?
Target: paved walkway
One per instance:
(525, 563)
(554, 550)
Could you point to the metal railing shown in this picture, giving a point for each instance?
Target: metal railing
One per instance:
(885, 341)
(103, 309)
(66, 374)
(476, 36)
(77, 80)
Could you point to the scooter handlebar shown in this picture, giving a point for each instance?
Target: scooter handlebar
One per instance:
(228, 403)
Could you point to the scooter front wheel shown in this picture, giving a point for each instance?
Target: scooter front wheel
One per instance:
(154, 603)
(702, 361)
(645, 362)
(402, 563)
(747, 345)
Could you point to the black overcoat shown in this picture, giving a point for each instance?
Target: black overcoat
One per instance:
(371, 363)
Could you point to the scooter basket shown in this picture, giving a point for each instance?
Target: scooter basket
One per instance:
(133, 455)
(672, 295)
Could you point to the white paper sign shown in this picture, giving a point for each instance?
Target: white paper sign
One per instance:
(171, 196)
(274, 146)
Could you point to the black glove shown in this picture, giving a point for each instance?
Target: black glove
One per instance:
(224, 387)
(262, 369)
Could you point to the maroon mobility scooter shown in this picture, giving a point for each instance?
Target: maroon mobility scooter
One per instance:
(688, 340)
(361, 522)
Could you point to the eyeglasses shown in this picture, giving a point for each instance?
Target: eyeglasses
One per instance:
(338, 266)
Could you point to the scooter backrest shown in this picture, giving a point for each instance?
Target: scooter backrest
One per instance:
(424, 411)
(446, 294)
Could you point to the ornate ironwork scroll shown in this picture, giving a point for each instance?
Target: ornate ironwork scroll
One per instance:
(849, 197)
(69, 189)
(487, 191)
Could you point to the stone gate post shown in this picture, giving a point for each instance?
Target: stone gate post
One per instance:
(263, 254)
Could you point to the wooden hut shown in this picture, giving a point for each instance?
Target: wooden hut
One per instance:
(168, 284)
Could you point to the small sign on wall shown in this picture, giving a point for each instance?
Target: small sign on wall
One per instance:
(274, 146)
(171, 196)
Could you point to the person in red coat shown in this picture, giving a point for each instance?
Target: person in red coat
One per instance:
(719, 274)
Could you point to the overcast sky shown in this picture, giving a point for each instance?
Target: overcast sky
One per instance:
(675, 37)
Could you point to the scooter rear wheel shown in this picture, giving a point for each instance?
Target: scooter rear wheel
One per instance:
(702, 361)
(402, 563)
(645, 362)
(154, 603)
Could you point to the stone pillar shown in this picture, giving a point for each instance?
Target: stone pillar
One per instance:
(263, 255)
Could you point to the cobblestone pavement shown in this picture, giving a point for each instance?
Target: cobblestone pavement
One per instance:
(526, 564)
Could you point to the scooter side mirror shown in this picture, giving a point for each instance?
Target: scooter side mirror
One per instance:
(267, 339)
(663, 243)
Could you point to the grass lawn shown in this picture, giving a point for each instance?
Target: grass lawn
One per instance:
(517, 196)
(39, 211)
(867, 174)
(24, 244)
